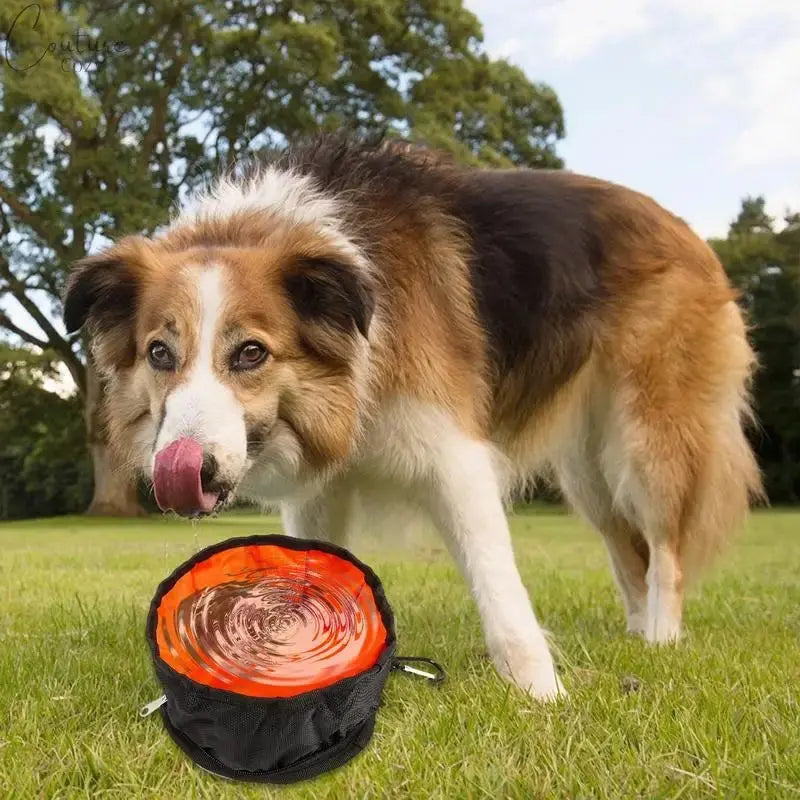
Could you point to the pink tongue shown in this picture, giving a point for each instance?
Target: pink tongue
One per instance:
(176, 479)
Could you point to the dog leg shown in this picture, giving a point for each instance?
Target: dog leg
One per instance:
(664, 596)
(584, 485)
(629, 558)
(467, 507)
(326, 516)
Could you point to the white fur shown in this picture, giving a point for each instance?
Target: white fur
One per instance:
(202, 407)
(293, 196)
(663, 601)
(467, 506)
(290, 195)
(273, 476)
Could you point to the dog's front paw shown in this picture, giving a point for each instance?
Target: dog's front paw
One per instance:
(529, 668)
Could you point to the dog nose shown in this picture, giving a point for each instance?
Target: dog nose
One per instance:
(208, 473)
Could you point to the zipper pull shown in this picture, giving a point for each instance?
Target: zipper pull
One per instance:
(146, 711)
(402, 664)
(414, 671)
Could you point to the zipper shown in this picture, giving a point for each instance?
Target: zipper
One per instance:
(147, 710)
(401, 663)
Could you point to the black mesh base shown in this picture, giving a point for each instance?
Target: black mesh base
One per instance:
(330, 757)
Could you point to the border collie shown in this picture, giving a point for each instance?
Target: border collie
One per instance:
(354, 319)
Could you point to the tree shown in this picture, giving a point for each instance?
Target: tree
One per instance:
(43, 464)
(765, 265)
(109, 113)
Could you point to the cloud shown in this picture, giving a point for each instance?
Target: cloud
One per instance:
(723, 18)
(577, 28)
(769, 94)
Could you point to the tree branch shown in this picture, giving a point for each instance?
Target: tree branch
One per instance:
(27, 217)
(156, 130)
(5, 225)
(55, 340)
(26, 336)
(17, 289)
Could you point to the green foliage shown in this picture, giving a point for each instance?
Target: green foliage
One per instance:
(182, 88)
(44, 465)
(765, 265)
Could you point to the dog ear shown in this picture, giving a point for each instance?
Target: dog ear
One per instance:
(100, 290)
(329, 291)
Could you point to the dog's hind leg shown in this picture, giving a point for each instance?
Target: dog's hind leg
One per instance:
(584, 486)
(677, 458)
(647, 467)
(657, 500)
(630, 557)
(664, 594)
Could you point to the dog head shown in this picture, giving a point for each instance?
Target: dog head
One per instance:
(233, 355)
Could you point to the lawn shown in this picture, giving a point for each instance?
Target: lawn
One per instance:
(716, 716)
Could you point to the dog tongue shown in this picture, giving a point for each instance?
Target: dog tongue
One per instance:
(176, 479)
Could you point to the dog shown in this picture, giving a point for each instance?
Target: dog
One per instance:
(352, 317)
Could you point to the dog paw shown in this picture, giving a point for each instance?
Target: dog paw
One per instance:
(531, 671)
(663, 631)
(637, 624)
(547, 690)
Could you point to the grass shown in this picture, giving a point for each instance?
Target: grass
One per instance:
(717, 716)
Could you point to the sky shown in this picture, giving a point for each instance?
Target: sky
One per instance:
(694, 102)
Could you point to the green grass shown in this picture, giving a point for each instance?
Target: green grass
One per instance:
(716, 716)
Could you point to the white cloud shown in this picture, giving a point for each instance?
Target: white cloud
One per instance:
(769, 93)
(578, 27)
(727, 17)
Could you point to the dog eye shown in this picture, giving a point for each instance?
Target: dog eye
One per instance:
(249, 355)
(160, 356)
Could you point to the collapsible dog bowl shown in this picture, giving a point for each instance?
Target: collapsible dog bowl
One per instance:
(273, 653)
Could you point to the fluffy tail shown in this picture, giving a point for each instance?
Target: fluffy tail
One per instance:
(729, 479)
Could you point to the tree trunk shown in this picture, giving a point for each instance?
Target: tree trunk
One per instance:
(115, 492)
(114, 495)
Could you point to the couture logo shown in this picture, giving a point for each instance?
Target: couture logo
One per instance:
(26, 46)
